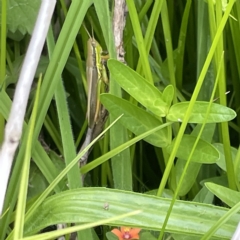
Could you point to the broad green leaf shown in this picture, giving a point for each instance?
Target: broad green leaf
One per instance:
(21, 15)
(204, 152)
(184, 237)
(37, 183)
(144, 92)
(167, 193)
(147, 236)
(222, 162)
(220, 180)
(218, 113)
(88, 205)
(204, 196)
(168, 94)
(12, 76)
(193, 168)
(227, 195)
(189, 177)
(135, 119)
(111, 236)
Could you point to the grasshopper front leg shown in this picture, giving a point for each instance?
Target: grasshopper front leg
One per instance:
(102, 87)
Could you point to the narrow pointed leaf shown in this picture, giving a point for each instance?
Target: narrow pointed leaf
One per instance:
(227, 195)
(222, 161)
(168, 94)
(133, 83)
(135, 119)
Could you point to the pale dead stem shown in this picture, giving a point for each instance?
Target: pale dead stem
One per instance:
(119, 21)
(13, 129)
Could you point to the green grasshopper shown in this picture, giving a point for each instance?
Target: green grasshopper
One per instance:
(96, 75)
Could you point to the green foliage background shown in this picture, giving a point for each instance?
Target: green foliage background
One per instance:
(173, 154)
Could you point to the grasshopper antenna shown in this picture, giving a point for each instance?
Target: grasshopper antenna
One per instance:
(84, 25)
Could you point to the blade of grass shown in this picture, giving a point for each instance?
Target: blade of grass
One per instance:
(22, 197)
(39, 154)
(214, 22)
(194, 96)
(224, 126)
(63, 47)
(104, 17)
(168, 43)
(118, 149)
(3, 58)
(191, 154)
(151, 27)
(203, 45)
(61, 232)
(62, 174)
(58, 179)
(140, 41)
(53, 132)
(181, 44)
(233, 38)
(69, 150)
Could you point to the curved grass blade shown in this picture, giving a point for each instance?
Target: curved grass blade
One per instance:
(74, 206)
